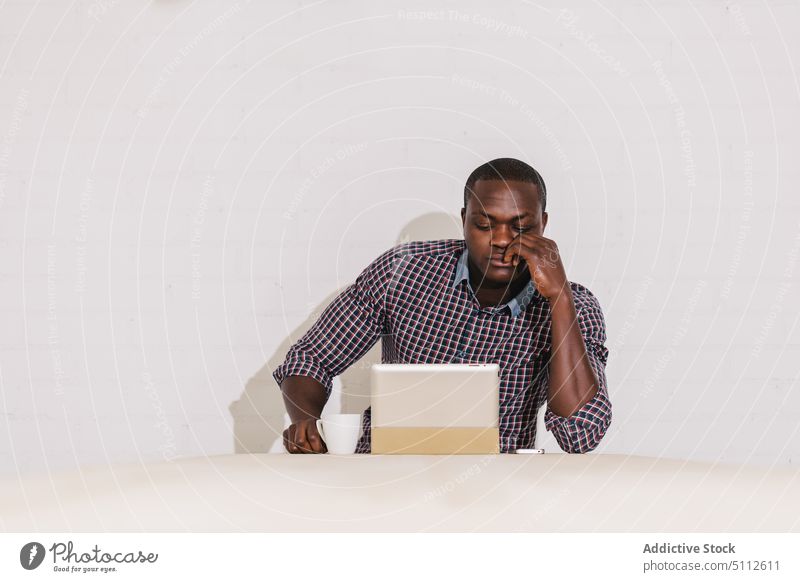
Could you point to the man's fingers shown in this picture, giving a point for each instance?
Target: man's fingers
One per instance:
(515, 252)
(286, 440)
(512, 249)
(516, 247)
(541, 249)
(301, 438)
(314, 440)
(288, 436)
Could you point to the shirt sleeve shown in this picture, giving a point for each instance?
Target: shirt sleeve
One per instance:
(347, 328)
(582, 432)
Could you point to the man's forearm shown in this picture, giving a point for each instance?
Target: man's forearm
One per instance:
(304, 397)
(572, 381)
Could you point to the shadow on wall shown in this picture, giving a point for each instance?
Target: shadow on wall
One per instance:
(259, 414)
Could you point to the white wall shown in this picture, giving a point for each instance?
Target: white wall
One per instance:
(184, 185)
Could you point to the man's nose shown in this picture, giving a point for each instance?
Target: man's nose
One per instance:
(501, 236)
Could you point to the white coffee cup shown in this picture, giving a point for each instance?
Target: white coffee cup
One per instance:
(340, 432)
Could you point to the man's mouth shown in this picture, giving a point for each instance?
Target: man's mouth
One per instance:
(496, 261)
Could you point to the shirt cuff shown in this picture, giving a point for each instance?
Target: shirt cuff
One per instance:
(581, 432)
(304, 368)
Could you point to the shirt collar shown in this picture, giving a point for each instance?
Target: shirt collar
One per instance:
(517, 305)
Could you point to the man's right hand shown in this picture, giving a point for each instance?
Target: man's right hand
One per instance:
(303, 437)
(304, 398)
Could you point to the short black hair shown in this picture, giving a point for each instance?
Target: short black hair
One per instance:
(506, 169)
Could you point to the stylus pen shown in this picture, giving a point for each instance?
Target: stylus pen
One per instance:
(529, 451)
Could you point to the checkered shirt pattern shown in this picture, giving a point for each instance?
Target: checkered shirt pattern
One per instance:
(417, 299)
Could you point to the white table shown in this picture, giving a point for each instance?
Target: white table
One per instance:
(550, 492)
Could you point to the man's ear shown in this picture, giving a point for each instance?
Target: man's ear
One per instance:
(544, 221)
(464, 217)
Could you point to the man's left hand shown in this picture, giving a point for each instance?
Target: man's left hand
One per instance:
(543, 260)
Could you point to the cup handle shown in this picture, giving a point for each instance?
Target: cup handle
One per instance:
(319, 430)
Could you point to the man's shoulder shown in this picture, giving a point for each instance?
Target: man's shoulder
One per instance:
(445, 247)
(415, 259)
(448, 248)
(580, 289)
(584, 299)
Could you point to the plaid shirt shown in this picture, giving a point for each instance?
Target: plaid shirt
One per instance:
(416, 297)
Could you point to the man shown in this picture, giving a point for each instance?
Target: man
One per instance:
(501, 296)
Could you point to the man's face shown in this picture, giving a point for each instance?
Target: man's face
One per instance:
(496, 213)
